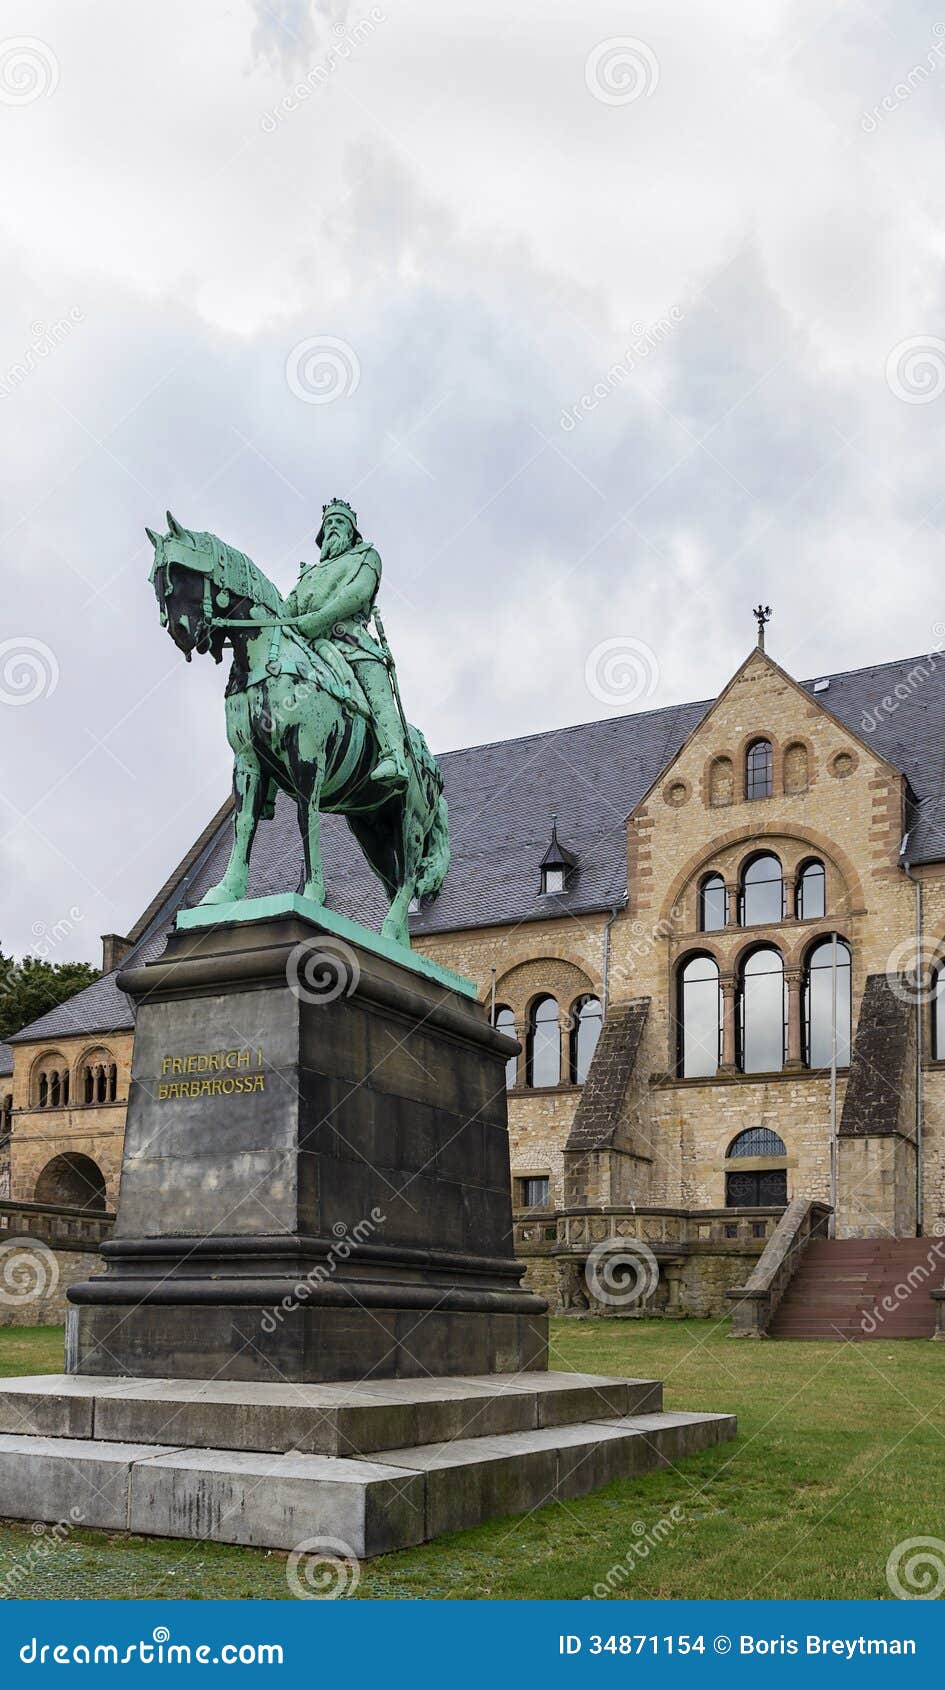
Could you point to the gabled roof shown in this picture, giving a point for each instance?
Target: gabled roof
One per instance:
(501, 799)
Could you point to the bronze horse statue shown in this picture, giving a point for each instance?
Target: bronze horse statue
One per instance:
(295, 722)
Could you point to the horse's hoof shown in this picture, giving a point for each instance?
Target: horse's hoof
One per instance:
(220, 895)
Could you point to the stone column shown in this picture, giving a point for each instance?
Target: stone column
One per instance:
(727, 1064)
(789, 901)
(731, 893)
(793, 980)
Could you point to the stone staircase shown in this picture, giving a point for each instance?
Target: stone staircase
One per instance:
(863, 1288)
(375, 1466)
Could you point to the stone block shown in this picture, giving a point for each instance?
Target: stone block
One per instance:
(276, 1501)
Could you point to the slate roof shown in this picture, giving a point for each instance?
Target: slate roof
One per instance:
(6, 1059)
(501, 799)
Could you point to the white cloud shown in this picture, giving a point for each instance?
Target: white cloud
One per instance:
(450, 200)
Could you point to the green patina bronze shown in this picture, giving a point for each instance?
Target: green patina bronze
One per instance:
(312, 707)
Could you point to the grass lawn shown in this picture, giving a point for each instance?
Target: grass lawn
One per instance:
(840, 1456)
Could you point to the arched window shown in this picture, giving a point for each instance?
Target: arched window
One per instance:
(543, 1045)
(762, 893)
(43, 1090)
(721, 781)
(811, 892)
(757, 1141)
(699, 1018)
(505, 1023)
(586, 1024)
(796, 769)
(6, 1115)
(98, 1078)
(761, 1012)
(938, 1012)
(54, 1089)
(713, 904)
(756, 1188)
(759, 764)
(819, 986)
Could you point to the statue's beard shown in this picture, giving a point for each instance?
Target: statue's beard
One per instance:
(333, 545)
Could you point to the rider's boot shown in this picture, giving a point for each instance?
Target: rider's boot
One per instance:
(391, 766)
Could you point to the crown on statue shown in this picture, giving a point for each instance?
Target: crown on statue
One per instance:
(342, 507)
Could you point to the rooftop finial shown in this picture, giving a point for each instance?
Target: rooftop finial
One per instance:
(762, 614)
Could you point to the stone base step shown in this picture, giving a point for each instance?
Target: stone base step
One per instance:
(353, 1419)
(283, 1500)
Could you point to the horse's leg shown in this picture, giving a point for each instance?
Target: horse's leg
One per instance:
(308, 763)
(396, 924)
(310, 827)
(249, 789)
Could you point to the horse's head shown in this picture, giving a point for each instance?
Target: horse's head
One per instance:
(185, 575)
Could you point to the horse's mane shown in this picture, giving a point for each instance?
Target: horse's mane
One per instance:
(239, 574)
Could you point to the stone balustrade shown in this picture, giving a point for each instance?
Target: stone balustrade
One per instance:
(754, 1303)
(58, 1226)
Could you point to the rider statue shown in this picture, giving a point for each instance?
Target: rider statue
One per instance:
(331, 606)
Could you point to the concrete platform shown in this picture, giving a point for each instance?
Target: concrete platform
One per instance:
(504, 1445)
(344, 1419)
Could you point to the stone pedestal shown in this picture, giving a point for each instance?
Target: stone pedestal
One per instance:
(315, 1182)
(311, 1328)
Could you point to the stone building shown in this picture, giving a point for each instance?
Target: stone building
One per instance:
(701, 921)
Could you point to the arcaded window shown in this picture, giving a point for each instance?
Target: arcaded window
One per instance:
(699, 1018)
(811, 892)
(586, 1022)
(761, 902)
(6, 1115)
(505, 1023)
(827, 992)
(713, 904)
(759, 770)
(761, 1012)
(543, 1045)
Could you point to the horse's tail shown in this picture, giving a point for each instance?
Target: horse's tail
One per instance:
(436, 853)
(436, 846)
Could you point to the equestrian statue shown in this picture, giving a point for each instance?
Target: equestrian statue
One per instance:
(312, 706)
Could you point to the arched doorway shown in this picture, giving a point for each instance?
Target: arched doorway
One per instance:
(74, 1181)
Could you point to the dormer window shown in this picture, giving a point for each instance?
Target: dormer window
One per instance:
(556, 864)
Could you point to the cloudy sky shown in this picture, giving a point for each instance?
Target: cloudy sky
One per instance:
(610, 319)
